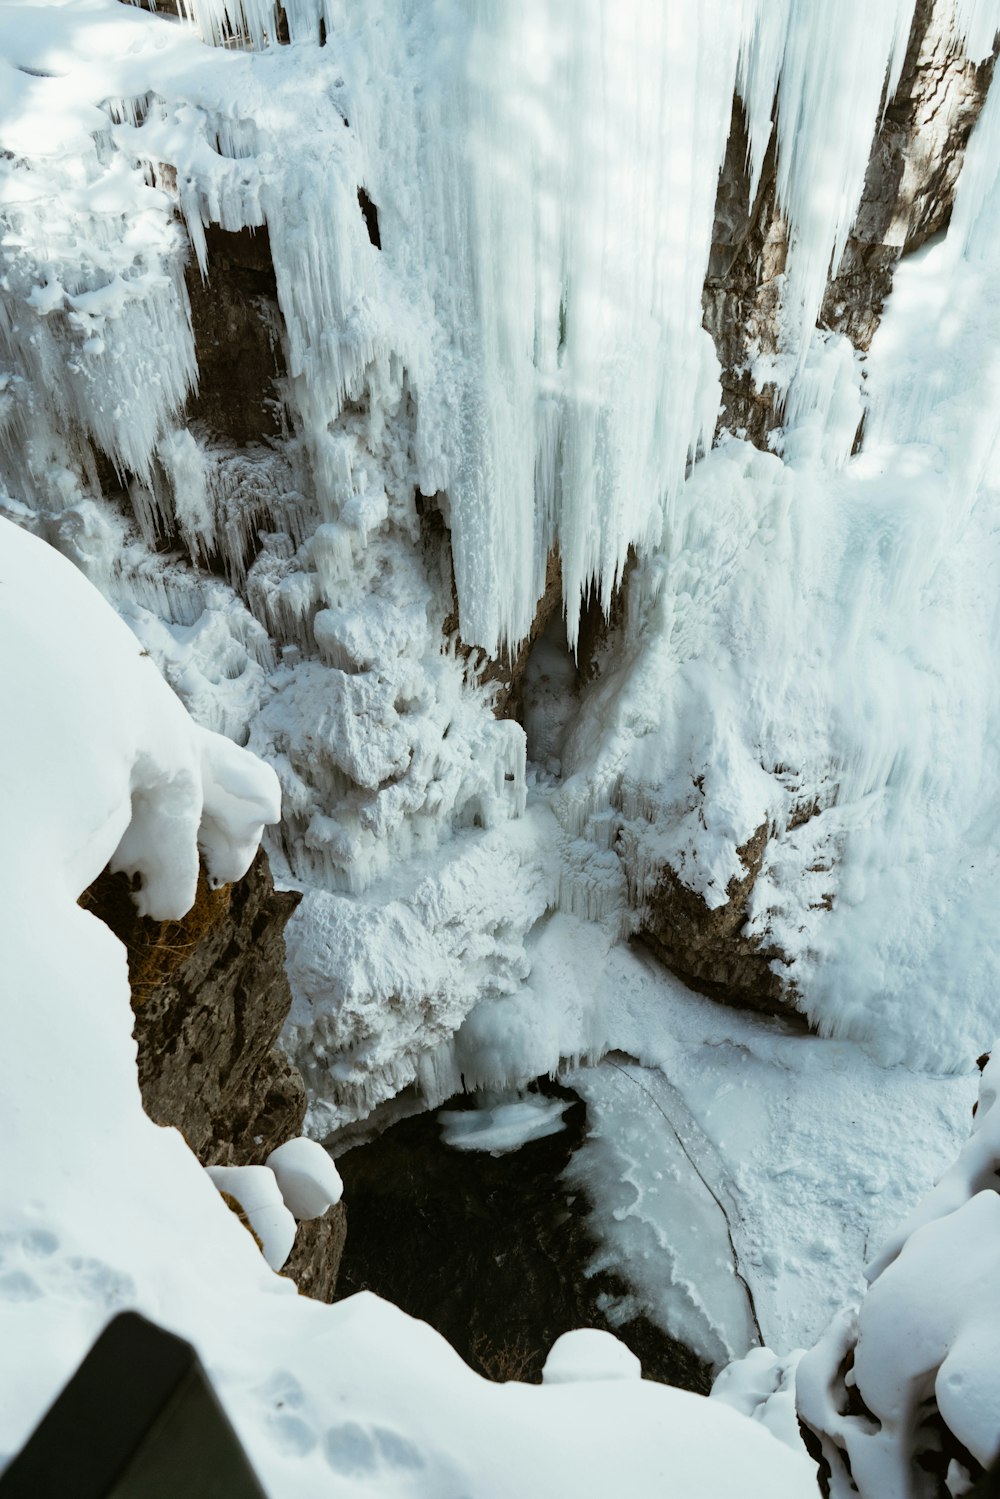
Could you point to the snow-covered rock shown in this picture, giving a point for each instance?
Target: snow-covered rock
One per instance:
(922, 1353)
(256, 1190)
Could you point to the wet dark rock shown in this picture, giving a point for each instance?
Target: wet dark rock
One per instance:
(237, 333)
(314, 1263)
(210, 996)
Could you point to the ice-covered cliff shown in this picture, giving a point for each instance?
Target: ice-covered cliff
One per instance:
(386, 364)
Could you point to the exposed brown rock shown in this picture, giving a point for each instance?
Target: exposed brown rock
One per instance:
(314, 1263)
(710, 949)
(914, 166)
(210, 996)
(740, 297)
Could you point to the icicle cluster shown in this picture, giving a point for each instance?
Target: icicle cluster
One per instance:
(545, 185)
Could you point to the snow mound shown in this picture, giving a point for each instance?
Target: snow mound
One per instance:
(588, 1354)
(166, 790)
(256, 1190)
(309, 1181)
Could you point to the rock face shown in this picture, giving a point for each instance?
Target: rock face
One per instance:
(909, 190)
(709, 949)
(237, 333)
(210, 996)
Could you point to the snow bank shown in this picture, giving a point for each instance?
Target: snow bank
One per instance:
(355, 1395)
(164, 789)
(923, 1350)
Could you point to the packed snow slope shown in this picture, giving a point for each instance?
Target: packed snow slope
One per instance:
(100, 761)
(514, 385)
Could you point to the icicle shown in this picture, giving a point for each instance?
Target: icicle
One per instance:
(840, 58)
(825, 407)
(977, 23)
(975, 224)
(760, 66)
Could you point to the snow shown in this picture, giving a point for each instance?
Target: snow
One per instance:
(762, 1385)
(812, 653)
(926, 1336)
(809, 649)
(256, 1190)
(357, 1395)
(531, 370)
(515, 389)
(586, 1354)
(308, 1180)
(165, 794)
(740, 1157)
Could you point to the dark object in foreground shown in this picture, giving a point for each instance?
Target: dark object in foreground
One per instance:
(138, 1420)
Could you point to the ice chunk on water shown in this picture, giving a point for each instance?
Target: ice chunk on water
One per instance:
(502, 1126)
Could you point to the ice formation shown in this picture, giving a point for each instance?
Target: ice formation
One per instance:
(536, 409)
(516, 362)
(500, 1124)
(516, 389)
(356, 1397)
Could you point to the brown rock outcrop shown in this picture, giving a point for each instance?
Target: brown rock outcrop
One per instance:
(710, 950)
(210, 996)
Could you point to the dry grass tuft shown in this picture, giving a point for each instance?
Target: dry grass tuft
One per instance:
(155, 948)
